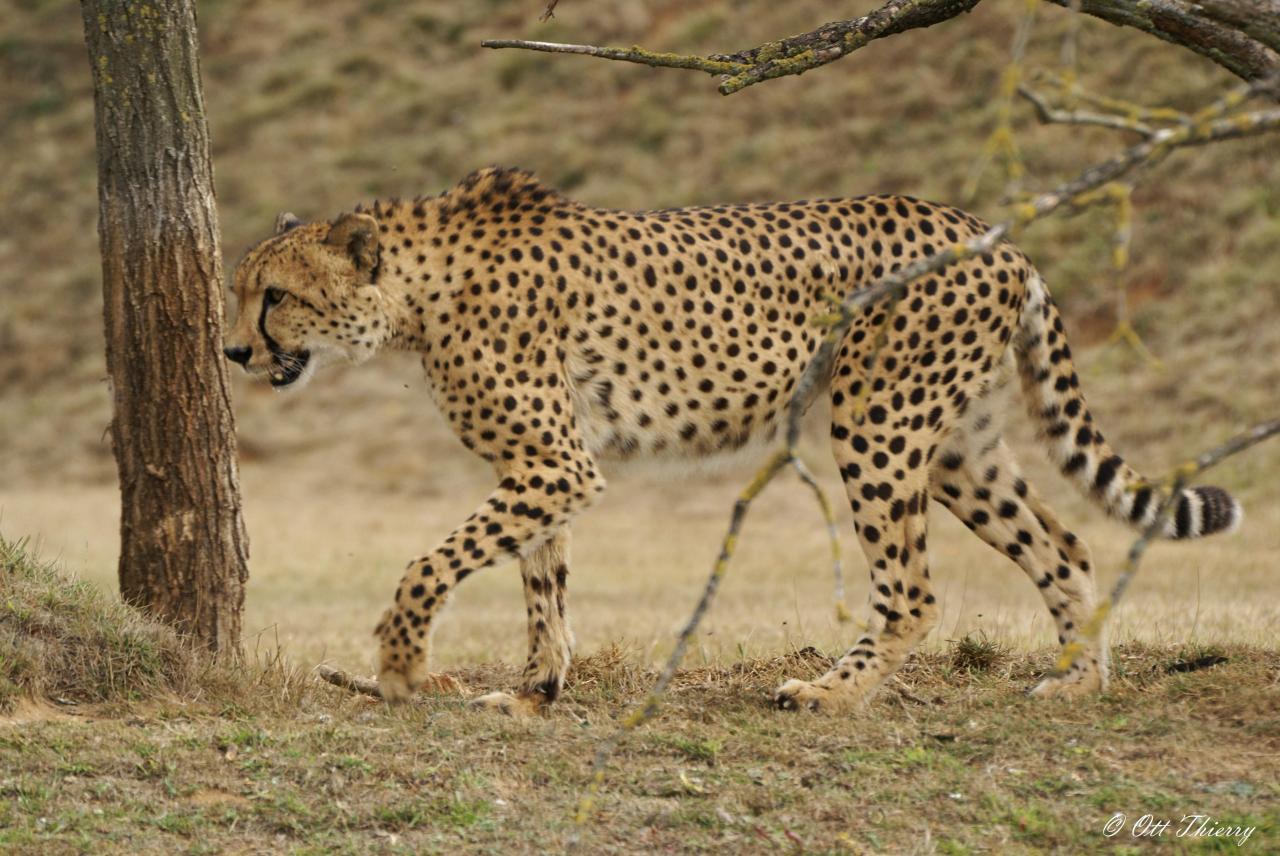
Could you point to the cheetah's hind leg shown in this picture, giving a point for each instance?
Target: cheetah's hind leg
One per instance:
(888, 487)
(979, 481)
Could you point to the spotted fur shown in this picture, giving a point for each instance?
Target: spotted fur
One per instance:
(555, 335)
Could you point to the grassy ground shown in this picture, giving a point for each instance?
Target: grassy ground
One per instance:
(944, 762)
(950, 758)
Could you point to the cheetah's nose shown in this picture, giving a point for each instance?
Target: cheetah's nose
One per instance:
(239, 354)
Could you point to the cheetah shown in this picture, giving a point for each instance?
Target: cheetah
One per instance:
(555, 335)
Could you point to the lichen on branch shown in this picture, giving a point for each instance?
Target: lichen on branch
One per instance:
(1236, 34)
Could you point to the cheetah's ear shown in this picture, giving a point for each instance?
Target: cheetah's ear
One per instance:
(357, 235)
(286, 221)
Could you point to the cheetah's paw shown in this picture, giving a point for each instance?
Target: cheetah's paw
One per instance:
(1073, 685)
(802, 695)
(396, 687)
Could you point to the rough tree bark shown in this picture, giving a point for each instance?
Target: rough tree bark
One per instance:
(183, 551)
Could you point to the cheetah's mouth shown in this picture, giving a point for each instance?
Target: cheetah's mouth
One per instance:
(287, 368)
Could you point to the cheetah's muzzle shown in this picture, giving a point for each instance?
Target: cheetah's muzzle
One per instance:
(287, 368)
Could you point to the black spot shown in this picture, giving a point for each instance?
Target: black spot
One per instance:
(1107, 472)
(1141, 499)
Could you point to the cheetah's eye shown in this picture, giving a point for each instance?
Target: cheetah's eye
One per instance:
(275, 295)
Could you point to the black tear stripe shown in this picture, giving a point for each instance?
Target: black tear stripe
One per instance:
(273, 347)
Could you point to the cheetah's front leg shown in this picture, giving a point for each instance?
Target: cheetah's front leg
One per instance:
(545, 572)
(515, 519)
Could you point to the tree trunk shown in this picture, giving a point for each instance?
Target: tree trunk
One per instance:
(183, 547)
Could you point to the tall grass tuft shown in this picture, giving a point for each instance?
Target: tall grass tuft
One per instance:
(977, 652)
(64, 639)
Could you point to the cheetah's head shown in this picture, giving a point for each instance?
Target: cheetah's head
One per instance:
(308, 296)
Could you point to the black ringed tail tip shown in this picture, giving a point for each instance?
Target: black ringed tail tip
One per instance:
(1204, 511)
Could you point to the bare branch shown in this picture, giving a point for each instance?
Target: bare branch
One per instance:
(436, 683)
(1236, 34)
(830, 42)
(549, 12)
(1050, 115)
(1208, 127)
(633, 54)
(1070, 91)
(794, 55)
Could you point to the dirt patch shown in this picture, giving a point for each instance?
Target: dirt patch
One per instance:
(25, 711)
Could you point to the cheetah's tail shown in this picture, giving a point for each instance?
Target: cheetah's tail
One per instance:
(1052, 392)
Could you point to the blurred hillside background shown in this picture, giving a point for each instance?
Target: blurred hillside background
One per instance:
(316, 106)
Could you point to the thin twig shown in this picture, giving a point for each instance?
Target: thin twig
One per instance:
(1001, 140)
(549, 12)
(1070, 90)
(1120, 196)
(1235, 445)
(833, 536)
(633, 54)
(1069, 54)
(1050, 115)
(650, 705)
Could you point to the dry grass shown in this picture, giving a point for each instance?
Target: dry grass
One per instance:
(977, 652)
(72, 642)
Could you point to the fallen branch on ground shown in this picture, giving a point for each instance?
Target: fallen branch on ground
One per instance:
(339, 678)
